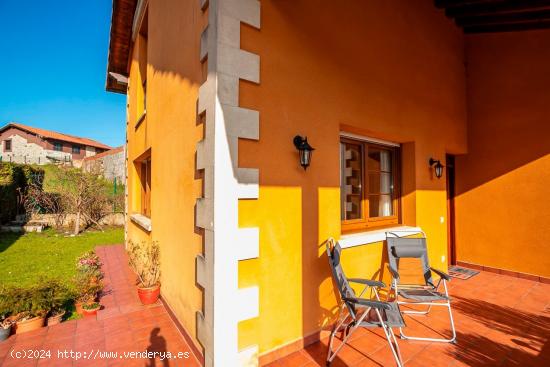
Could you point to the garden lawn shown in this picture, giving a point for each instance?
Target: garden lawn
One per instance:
(24, 258)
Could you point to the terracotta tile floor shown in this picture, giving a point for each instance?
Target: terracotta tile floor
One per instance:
(500, 321)
(124, 325)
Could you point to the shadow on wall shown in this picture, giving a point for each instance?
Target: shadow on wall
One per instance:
(507, 81)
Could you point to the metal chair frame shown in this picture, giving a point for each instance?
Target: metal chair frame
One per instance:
(443, 278)
(349, 320)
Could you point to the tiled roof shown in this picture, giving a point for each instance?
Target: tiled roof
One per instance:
(57, 136)
(104, 154)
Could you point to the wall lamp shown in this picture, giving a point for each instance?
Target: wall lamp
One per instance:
(305, 150)
(438, 167)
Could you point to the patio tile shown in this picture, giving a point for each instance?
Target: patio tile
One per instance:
(54, 344)
(110, 330)
(122, 338)
(500, 321)
(92, 337)
(34, 341)
(88, 324)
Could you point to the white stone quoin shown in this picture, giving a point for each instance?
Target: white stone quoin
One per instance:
(225, 183)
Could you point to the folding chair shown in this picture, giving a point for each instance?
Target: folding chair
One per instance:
(354, 311)
(426, 294)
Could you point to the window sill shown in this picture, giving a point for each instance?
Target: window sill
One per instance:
(377, 235)
(142, 221)
(141, 118)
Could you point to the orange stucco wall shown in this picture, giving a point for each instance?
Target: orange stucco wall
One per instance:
(503, 192)
(386, 69)
(171, 132)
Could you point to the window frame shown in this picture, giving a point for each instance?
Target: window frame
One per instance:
(145, 166)
(77, 148)
(366, 222)
(8, 141)
(56, 144)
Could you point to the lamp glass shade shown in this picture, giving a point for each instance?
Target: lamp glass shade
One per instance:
(305, 157)
(304, 149)
(438, 169)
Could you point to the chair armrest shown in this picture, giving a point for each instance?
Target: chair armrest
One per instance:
(370, 283)
(368, 303)
(441, 274)
(394, 273)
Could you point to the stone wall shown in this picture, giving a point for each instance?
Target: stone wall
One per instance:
(111, 164)
(27, 152)
(114, 219)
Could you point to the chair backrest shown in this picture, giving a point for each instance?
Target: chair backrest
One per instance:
(334, 252)
(406, 247)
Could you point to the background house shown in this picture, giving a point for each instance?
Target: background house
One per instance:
(26, 144)
(217, 91)
(111, 164)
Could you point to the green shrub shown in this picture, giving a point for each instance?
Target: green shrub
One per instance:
(14, 181)
(39, 300)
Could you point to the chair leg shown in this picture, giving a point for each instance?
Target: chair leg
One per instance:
(356, 323)
(418, 312)
(392, 341)
(335, 330)
(440, 340)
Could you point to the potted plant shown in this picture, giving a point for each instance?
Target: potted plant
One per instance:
(145, 260)
(5, 328)
(6, 308)
(58, 296)
(91, 308)
(87, 280)
(30, 309)
(87, 288)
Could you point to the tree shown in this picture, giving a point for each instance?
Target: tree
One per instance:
(85, 195)
(72, 191)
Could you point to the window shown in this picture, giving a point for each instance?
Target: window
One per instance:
(145, 178)
(57, 146)
(144, 86)
(7, 145)
(142, 69)
(76, 149)
(368, 184)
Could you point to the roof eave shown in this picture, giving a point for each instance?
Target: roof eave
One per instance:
(120, 40)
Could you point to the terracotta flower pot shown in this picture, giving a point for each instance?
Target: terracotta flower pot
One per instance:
(29, 325)
(91, 311)
(78, 306)
(149, 295)
(54, 320)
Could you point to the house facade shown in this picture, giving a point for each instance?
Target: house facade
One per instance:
(384, 91)
(26, 144)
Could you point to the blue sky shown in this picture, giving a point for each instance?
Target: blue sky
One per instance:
(53, 60)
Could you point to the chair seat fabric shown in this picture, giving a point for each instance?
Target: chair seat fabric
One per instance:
(423, 295)
(392, 317)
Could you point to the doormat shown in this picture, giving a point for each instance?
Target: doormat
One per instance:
(462, 273)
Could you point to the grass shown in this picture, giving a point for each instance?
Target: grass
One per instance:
(25, 258)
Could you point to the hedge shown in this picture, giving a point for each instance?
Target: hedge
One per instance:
(15, 178)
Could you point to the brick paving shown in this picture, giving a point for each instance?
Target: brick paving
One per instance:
(123, 325)
(500, 321)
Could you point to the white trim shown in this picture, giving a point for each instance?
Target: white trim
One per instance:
(226, 243)
(368, 139)
(138, 17)
(377, 235)
(142, 221)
